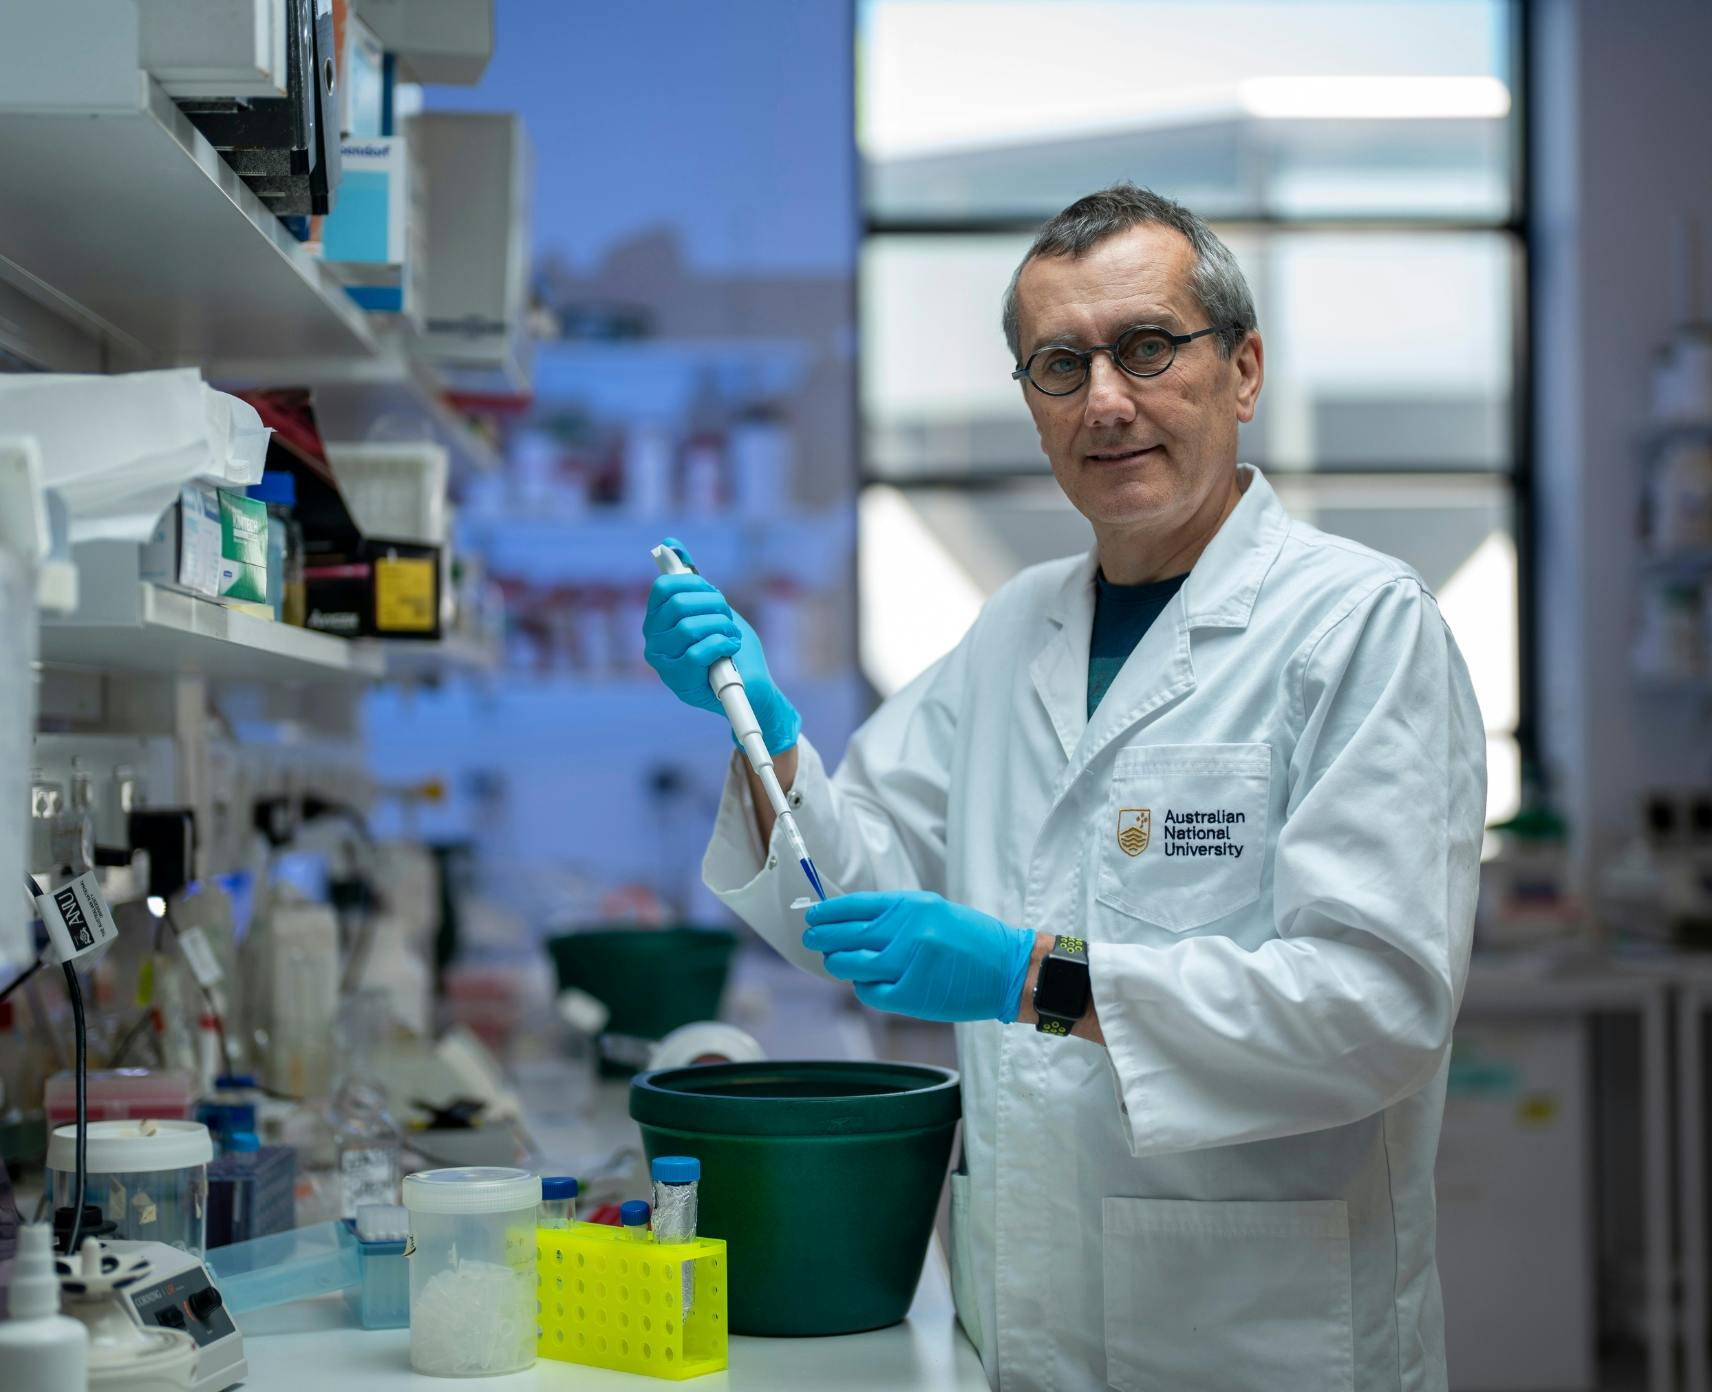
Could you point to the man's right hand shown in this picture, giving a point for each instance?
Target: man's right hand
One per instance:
(690, 626)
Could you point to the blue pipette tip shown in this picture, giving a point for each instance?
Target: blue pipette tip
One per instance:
(813, 877)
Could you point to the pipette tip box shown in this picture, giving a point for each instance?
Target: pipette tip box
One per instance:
(609, 1301)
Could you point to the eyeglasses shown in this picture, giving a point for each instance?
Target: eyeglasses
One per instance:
(1144, 351)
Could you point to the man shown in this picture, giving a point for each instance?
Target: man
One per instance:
(1184, 834)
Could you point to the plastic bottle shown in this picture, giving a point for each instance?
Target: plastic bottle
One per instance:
(41, 1350)
(366, 1147)
(633, 1216)
(558, 1208)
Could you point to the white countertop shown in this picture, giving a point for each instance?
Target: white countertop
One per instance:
(311, 1345)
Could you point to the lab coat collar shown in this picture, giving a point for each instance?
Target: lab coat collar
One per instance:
(1221, 589)
(1219, 593)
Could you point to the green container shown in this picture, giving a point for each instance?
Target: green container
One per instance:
(823, 1179)
(652, 980)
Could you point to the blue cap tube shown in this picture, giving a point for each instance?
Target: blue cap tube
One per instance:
(633, 1214)
(558, 1206)
(677, 1181)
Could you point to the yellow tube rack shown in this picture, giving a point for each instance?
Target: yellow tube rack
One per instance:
(609, 1301)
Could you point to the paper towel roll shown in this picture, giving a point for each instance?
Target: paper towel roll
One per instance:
(705, 1041)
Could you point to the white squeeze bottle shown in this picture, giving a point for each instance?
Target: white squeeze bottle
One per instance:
(41, 1350)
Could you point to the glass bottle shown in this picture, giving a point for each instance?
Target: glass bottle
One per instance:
(366, 1147)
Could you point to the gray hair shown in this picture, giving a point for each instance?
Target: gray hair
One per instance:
(1217, 281)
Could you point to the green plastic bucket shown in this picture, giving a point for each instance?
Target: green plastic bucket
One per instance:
(652, 980)
(823, 1178)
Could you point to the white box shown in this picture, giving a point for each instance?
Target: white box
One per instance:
(439, 41)
(214, 48)
(476, 288)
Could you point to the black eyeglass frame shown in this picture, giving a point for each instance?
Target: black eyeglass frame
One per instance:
(1087, 356)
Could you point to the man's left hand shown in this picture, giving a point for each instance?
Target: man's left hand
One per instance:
(917, 954)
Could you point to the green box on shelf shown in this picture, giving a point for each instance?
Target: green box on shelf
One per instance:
(243, 548)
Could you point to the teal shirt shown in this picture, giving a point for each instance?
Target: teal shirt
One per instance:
(1122, 616)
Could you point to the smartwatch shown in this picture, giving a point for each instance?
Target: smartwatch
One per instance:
(1062, 992)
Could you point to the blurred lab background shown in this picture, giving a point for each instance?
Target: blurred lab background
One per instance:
(731, 273)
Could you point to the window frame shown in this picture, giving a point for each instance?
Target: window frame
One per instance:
(1517, 232)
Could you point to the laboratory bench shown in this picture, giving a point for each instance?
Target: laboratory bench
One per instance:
(574, 1119)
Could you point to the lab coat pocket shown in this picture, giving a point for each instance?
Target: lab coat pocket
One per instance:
(962, 1274)
(1228, 1297)
(1184, 834)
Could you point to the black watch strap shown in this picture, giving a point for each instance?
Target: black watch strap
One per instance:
(1062, 992)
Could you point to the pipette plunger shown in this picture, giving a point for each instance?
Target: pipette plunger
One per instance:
(727, 685)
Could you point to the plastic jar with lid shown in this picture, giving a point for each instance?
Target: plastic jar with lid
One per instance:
(149, 1178)
(472, 1270)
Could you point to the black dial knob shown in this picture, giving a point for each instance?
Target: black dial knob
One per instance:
(205, 1302)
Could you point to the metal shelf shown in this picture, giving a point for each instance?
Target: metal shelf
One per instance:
(147, 628)
(608, 545)
(392, 395)
(405, 661)
(658, 378)
(1680, 565)
(128, 221)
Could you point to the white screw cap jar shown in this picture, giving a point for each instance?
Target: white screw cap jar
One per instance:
(472, 1270)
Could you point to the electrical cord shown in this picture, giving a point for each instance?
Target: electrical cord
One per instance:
(22, 977)
(75, 991)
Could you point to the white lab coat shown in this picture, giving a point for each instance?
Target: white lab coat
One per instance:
(1236, 1193)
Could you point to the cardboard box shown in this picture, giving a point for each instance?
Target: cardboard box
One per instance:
(185, 549)
(367, 240)
(243, 549)
(380, 589)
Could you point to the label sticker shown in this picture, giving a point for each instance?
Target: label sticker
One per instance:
(204, 965)
(77, 918)
(404, 595)
(367, 1175)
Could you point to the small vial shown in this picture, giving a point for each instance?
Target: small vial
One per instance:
(633, 1215)
(677, 1181)
(558, 1208)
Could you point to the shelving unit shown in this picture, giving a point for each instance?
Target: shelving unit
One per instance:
(129, 222)
(602, 543)
(657, 377)
(144, 627)
(392, 394)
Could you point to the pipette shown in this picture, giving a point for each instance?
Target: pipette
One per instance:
(728, 687)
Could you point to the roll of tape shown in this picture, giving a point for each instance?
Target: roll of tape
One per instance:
(705, 1041)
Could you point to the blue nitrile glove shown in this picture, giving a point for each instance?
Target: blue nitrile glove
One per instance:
(689, 627)
(917, 954)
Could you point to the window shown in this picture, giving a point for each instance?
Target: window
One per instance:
(1361, 163)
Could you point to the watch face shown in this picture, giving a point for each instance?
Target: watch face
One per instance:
(1062, 988)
